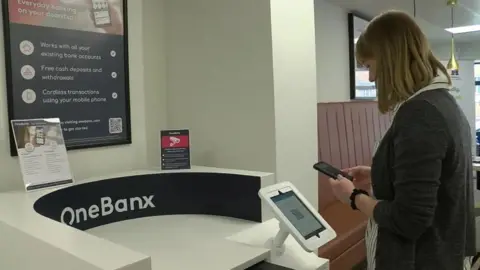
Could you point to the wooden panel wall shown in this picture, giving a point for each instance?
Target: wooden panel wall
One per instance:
(347, 133)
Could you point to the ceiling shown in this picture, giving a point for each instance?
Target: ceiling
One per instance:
(433, 16)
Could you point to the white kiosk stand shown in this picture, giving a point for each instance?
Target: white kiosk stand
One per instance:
(295, 216)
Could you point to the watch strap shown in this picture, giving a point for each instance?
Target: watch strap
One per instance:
(354, 195)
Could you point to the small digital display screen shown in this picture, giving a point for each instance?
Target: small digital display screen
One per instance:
(298, 214)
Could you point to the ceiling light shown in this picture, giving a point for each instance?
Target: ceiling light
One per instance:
(464, 29)
(452, 63)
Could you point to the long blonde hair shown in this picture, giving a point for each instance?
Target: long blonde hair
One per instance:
(404, 60)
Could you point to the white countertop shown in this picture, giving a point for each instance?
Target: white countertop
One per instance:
(185, 241)
(130, 243)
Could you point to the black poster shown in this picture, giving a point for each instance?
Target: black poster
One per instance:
(68, 59)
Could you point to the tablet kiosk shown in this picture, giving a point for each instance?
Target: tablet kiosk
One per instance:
(296, 217)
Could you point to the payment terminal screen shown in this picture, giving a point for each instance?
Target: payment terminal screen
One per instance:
(298, 214)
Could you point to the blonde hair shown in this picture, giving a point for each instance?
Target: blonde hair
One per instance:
(404, 61)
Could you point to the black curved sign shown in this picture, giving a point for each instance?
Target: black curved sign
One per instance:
(88, 205)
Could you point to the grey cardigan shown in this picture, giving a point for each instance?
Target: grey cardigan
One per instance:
(422, 175)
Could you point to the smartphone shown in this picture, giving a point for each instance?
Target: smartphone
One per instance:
(330, 171)
(39, 136)
(101, 13)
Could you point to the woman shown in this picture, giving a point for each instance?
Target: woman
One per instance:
(421, 216)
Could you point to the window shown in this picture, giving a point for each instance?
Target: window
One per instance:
(476, 68)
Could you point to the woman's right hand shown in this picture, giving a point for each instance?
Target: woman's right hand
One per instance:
(361, 177)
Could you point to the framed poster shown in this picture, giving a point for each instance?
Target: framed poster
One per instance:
(68, 59)
(360, 86)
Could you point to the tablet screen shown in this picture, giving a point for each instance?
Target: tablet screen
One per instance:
(298, 214)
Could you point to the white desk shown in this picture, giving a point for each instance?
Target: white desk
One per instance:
(185, 241)
(31, 241)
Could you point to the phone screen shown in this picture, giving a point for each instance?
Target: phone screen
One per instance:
(39, 136)
(101, 13)
(329, 170)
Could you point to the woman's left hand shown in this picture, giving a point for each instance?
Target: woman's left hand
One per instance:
(342, 188)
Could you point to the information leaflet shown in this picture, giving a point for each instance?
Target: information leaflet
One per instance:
(175, 149)
(42, 153)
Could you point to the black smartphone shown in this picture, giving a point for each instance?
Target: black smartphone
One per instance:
(101, 13)
(330, 171)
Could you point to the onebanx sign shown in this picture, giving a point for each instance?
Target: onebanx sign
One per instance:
(107, 206)
(88, 205)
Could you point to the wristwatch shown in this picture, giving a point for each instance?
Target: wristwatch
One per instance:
(354, 195)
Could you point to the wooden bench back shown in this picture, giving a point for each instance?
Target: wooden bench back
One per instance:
(347, 133)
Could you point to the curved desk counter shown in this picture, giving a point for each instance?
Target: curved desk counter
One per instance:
(185, 241)
(44, 229)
